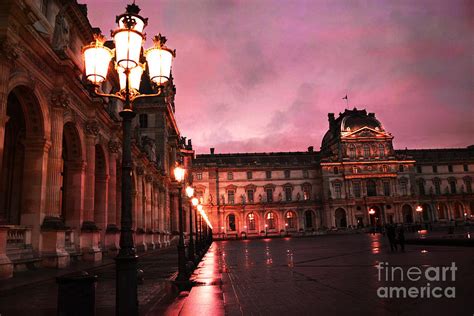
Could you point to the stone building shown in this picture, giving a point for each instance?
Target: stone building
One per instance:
(60, 147)
(356, 170)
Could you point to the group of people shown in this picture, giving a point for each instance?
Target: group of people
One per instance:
(396, 236)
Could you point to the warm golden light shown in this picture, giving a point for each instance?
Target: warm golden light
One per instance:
(371, 211)
(96, 60)
(159, 59)
(200, 208)
(189, 191)
(128, 46)
(179, 173)
(204, 215)
(195, 201)
(135, 77)
(419, 209)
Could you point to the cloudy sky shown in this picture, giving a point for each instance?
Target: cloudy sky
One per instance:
(260, 75)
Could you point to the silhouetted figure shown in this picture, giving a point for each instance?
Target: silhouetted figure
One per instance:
(391, 235)
(401, 237)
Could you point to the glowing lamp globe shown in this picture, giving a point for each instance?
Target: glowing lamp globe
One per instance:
(189, 191)
(419, 209)
(200, 208)
(179, 174)
(195, 202)
(96, 60)
(128, 46)
(371, 211)
(159, 59)
(135, 77)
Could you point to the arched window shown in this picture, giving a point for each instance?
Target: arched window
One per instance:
(452, 185)
(271, 220)
(366, 151)
(458, 210)
(231, 222)
(381, 150)
(308, 219)
(442, 211)
(251, 221)
(290, 220)
(371, 188)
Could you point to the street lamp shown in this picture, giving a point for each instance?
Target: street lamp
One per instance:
(128, 39)
(195, 202)
(182, 275)
(372, 219)
(190, 194)
(419, 210)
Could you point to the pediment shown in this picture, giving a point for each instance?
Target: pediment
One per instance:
(366, 132)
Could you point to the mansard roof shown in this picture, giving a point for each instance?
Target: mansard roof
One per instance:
(447, 155)
(274, 159)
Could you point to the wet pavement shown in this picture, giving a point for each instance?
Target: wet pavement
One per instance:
(39, 297)
(329, 275)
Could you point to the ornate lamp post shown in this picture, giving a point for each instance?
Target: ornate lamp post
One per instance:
(200, 210)
(419, 210)
(190, 194)
(372, 219)
(128, 39)
(182, 274)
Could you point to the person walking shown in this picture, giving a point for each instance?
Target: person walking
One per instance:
(401, 237)
(391, 235)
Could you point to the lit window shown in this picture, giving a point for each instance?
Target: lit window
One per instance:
(290, 220)
(251, 221)
(306, 193)
(230, 197)
(270, 220)
(199, 175)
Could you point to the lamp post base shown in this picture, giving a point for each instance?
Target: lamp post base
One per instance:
(126, 274)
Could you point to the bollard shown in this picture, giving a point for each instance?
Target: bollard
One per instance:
(76, 294)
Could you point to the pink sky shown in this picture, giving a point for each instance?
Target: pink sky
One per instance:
(262, 75)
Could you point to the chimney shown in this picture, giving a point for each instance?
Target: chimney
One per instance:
(190, 144)
(310, 149)
(331, 120)
(212, 151)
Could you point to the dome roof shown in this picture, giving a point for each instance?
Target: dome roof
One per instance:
(347, 122)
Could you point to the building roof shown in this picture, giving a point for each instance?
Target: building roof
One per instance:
(446, 155)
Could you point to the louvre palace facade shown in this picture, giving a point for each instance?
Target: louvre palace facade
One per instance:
(60, 147)
(357, 171)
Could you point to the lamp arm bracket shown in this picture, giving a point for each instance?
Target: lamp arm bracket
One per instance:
(107, 95)
(141, 96)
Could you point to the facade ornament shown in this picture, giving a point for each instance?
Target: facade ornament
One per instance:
(140, 171)
(61, 33)
(280, 197)
(114, 146)
(10, 50)
(59, 99)
(92, 128)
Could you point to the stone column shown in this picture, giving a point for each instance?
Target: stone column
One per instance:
(149, 212)
(112, 232)
(139, 211)
(90, 235)
(53, 230)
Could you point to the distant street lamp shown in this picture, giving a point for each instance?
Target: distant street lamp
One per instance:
(195, 202)
(190, 194)
(182, 274)
(419, 210)
(372, 219)
(128, 39)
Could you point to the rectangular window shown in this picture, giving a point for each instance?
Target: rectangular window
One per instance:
(249, 175)
(421, 187)
(268, 174)
(306, 193)
(269, 195)
(437, 187)
(230, 176)
(143, 120)
(435, 169)
(287, 174)
(337, 190)
(288, 192)
(230, 197)
(418, 169)
(305, 174)
(403, 188)
(450, 168)
(386, 188)
(356, 188)
(468, 186)
(466, 167)
(199, 176)
(250, 196)
(452, 184)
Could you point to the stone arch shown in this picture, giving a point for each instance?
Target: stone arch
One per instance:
(426, 213)
(100, 188)
(341, 217)
(271, 220)
(291, 220)
(232, 222)
(251, 221)
(309, 220)
(458, 210)
(442, 211)
(24, 151)
(407, 213)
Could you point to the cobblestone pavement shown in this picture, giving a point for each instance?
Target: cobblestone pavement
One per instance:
(330, 275)
(40, 297)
